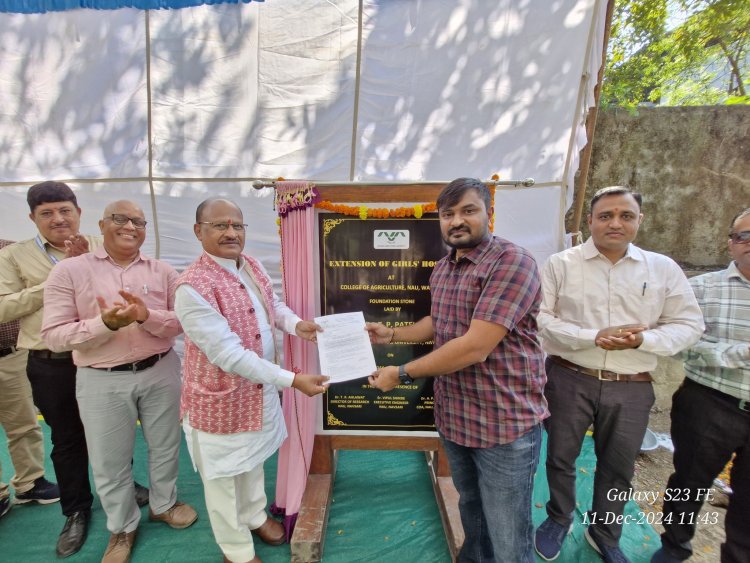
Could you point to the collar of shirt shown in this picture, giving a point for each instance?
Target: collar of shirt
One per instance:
(228, 264)
(57, 253)
(734, 272)
(47, 244)
(475, 254)
(591, 251)
(101, 253)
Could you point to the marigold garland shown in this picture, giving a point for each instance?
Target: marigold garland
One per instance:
(363, 212)
(417, 211)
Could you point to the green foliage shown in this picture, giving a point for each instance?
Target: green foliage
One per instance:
(704, 60)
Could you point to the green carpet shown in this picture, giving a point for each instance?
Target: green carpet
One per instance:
(383, 510)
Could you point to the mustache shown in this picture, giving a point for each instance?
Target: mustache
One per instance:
(458, 230)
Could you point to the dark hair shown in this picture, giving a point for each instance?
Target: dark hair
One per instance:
(744, 213)
(206, 202)
(615, 190)
(49, 192)
(453, 192)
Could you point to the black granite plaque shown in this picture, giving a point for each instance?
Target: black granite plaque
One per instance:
(381, 267)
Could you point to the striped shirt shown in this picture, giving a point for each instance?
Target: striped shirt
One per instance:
(498, 400)
(721, 359)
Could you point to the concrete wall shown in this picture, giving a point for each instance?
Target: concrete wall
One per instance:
(692, 165)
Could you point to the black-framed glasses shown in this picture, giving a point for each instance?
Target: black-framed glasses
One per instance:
(742, 237)
(222, 227)
(120, 219)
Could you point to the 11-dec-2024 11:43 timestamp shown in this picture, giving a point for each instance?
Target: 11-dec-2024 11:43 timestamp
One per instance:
(651, 518)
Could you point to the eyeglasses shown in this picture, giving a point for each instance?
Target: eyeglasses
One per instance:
(222, 227)
(120, 219)
(740, 238)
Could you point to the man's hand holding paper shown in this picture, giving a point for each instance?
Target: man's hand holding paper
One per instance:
(344, 347)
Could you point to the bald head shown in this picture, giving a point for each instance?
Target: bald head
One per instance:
(204, 207)
(119, 205)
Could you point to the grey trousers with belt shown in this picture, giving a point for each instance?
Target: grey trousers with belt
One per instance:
(111, 403)
(619, 411)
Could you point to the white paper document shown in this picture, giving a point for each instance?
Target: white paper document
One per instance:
(344, 347)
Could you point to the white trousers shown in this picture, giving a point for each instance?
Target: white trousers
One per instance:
(235, 506)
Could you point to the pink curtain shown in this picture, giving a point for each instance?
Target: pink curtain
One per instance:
(294, 201)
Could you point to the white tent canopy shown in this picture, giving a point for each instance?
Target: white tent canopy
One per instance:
(167, 107)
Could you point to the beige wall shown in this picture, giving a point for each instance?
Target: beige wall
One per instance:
(692, 165)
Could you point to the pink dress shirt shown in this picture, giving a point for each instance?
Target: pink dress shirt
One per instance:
(72, 318)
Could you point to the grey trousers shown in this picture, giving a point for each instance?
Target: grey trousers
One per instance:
(110, 404)
(619, 412)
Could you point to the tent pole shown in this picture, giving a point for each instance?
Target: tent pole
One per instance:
(150, 144)
(579, 198)
(526, 182)
(357, 85)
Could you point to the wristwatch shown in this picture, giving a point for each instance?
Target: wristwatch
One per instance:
(403, 376)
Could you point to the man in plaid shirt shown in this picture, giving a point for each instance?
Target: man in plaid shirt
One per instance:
(19, 420)
(489, 401)
(711, 410)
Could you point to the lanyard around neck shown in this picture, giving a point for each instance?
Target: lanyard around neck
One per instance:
(40, 244)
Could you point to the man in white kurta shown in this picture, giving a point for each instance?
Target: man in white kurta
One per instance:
(231, 412)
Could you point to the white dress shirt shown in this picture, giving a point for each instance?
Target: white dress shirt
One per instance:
(583, 292)
(226, 455)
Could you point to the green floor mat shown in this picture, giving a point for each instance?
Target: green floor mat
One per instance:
(383, 511)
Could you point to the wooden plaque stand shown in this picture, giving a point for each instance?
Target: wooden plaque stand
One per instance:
(309, 533)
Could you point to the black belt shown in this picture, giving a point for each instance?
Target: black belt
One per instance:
(139, 365)
(741, 404)
(7, 351)
(50, 355)
(602, 374)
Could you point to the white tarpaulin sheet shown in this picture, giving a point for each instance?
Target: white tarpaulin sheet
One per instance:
(395, 90)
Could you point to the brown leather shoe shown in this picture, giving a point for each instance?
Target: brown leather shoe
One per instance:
(119, 547)
(255, 559)
(271, 532)
(181, 515)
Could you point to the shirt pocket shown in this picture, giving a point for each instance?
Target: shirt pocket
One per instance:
(153, 298)
(644, 300)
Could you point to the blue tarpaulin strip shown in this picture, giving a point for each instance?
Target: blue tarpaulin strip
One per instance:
(42, 6)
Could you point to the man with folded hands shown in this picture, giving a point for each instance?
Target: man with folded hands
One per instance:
(608, 310)
(114, 307)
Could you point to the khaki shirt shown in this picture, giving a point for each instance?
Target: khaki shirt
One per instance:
(24, 268)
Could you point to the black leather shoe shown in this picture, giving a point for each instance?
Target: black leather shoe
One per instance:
(73, 533)
(141, 494)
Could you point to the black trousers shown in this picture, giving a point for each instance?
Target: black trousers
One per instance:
(53, 386)
(707, 428)
(619, 412)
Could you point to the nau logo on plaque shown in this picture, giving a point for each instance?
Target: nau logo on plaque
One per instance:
(391, 239)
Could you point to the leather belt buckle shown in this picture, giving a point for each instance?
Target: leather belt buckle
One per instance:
(612, 376)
